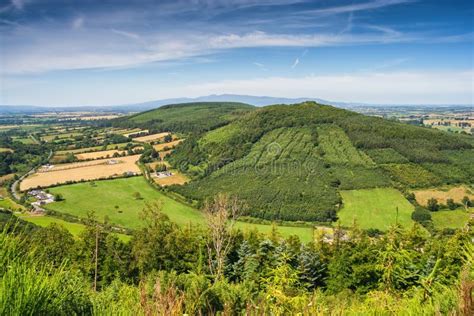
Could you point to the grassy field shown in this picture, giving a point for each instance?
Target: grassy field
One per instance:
(105, 195)
(450, 219)
(9, 204)
(74, 228)
(375, 208)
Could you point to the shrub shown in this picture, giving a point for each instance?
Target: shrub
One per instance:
(433, 205)
(421, 215)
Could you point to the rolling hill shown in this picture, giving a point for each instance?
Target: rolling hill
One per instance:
(187, 117)
(291, 162)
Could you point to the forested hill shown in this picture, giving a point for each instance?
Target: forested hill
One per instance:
(290, 161)
(187, 117)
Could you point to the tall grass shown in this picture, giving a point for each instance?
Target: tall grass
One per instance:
(29, 287)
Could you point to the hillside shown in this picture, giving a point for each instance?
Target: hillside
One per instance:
(187, 117)
(291, 162)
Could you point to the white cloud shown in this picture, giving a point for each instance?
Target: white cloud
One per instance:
(297, 61)
(98, 49)
(383, 88)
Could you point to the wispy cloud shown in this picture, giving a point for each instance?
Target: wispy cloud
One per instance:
(78, 22)
(295, 63)
(260, 66)
(126, 34)
(370, 5)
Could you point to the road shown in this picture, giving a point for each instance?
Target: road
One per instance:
(14, 187)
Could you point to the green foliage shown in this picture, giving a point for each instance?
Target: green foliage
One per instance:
(433, 205)
(29, 287)
(298, 157)
(386, 155)
(421, 215)
(188, 117)
(412, 175)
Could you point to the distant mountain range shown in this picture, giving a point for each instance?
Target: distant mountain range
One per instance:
(139, 107)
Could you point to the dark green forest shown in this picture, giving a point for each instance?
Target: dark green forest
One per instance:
(288, 162)
(167, 269)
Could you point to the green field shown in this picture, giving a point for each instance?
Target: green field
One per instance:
(24, 140)
(74, 228)
(450, 219)
(375, 208)
(9, 204)
(104, 196)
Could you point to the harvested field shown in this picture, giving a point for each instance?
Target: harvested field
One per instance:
(77, 171)
(175, 178)
(91, 149)
(169, 145)
(99, 154)
(151, 138)
(456, 193)
(3, 149)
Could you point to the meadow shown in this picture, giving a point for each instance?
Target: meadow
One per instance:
(115, 199)
(451, 219)
(375, 208)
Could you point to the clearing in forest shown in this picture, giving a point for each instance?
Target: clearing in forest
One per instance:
(375, 208)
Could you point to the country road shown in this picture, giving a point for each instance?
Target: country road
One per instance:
(14, 188)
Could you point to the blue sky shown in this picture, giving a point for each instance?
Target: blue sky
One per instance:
(66, 52)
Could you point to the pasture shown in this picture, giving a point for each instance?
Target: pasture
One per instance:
(3, 150)
(77, 171)
(375, 208)
(115, 199)
(441, 195)
(450, 219)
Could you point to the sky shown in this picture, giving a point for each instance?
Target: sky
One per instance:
(89, 52)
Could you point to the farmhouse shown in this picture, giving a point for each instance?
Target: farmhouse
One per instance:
(163, 174)
(41, 196)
